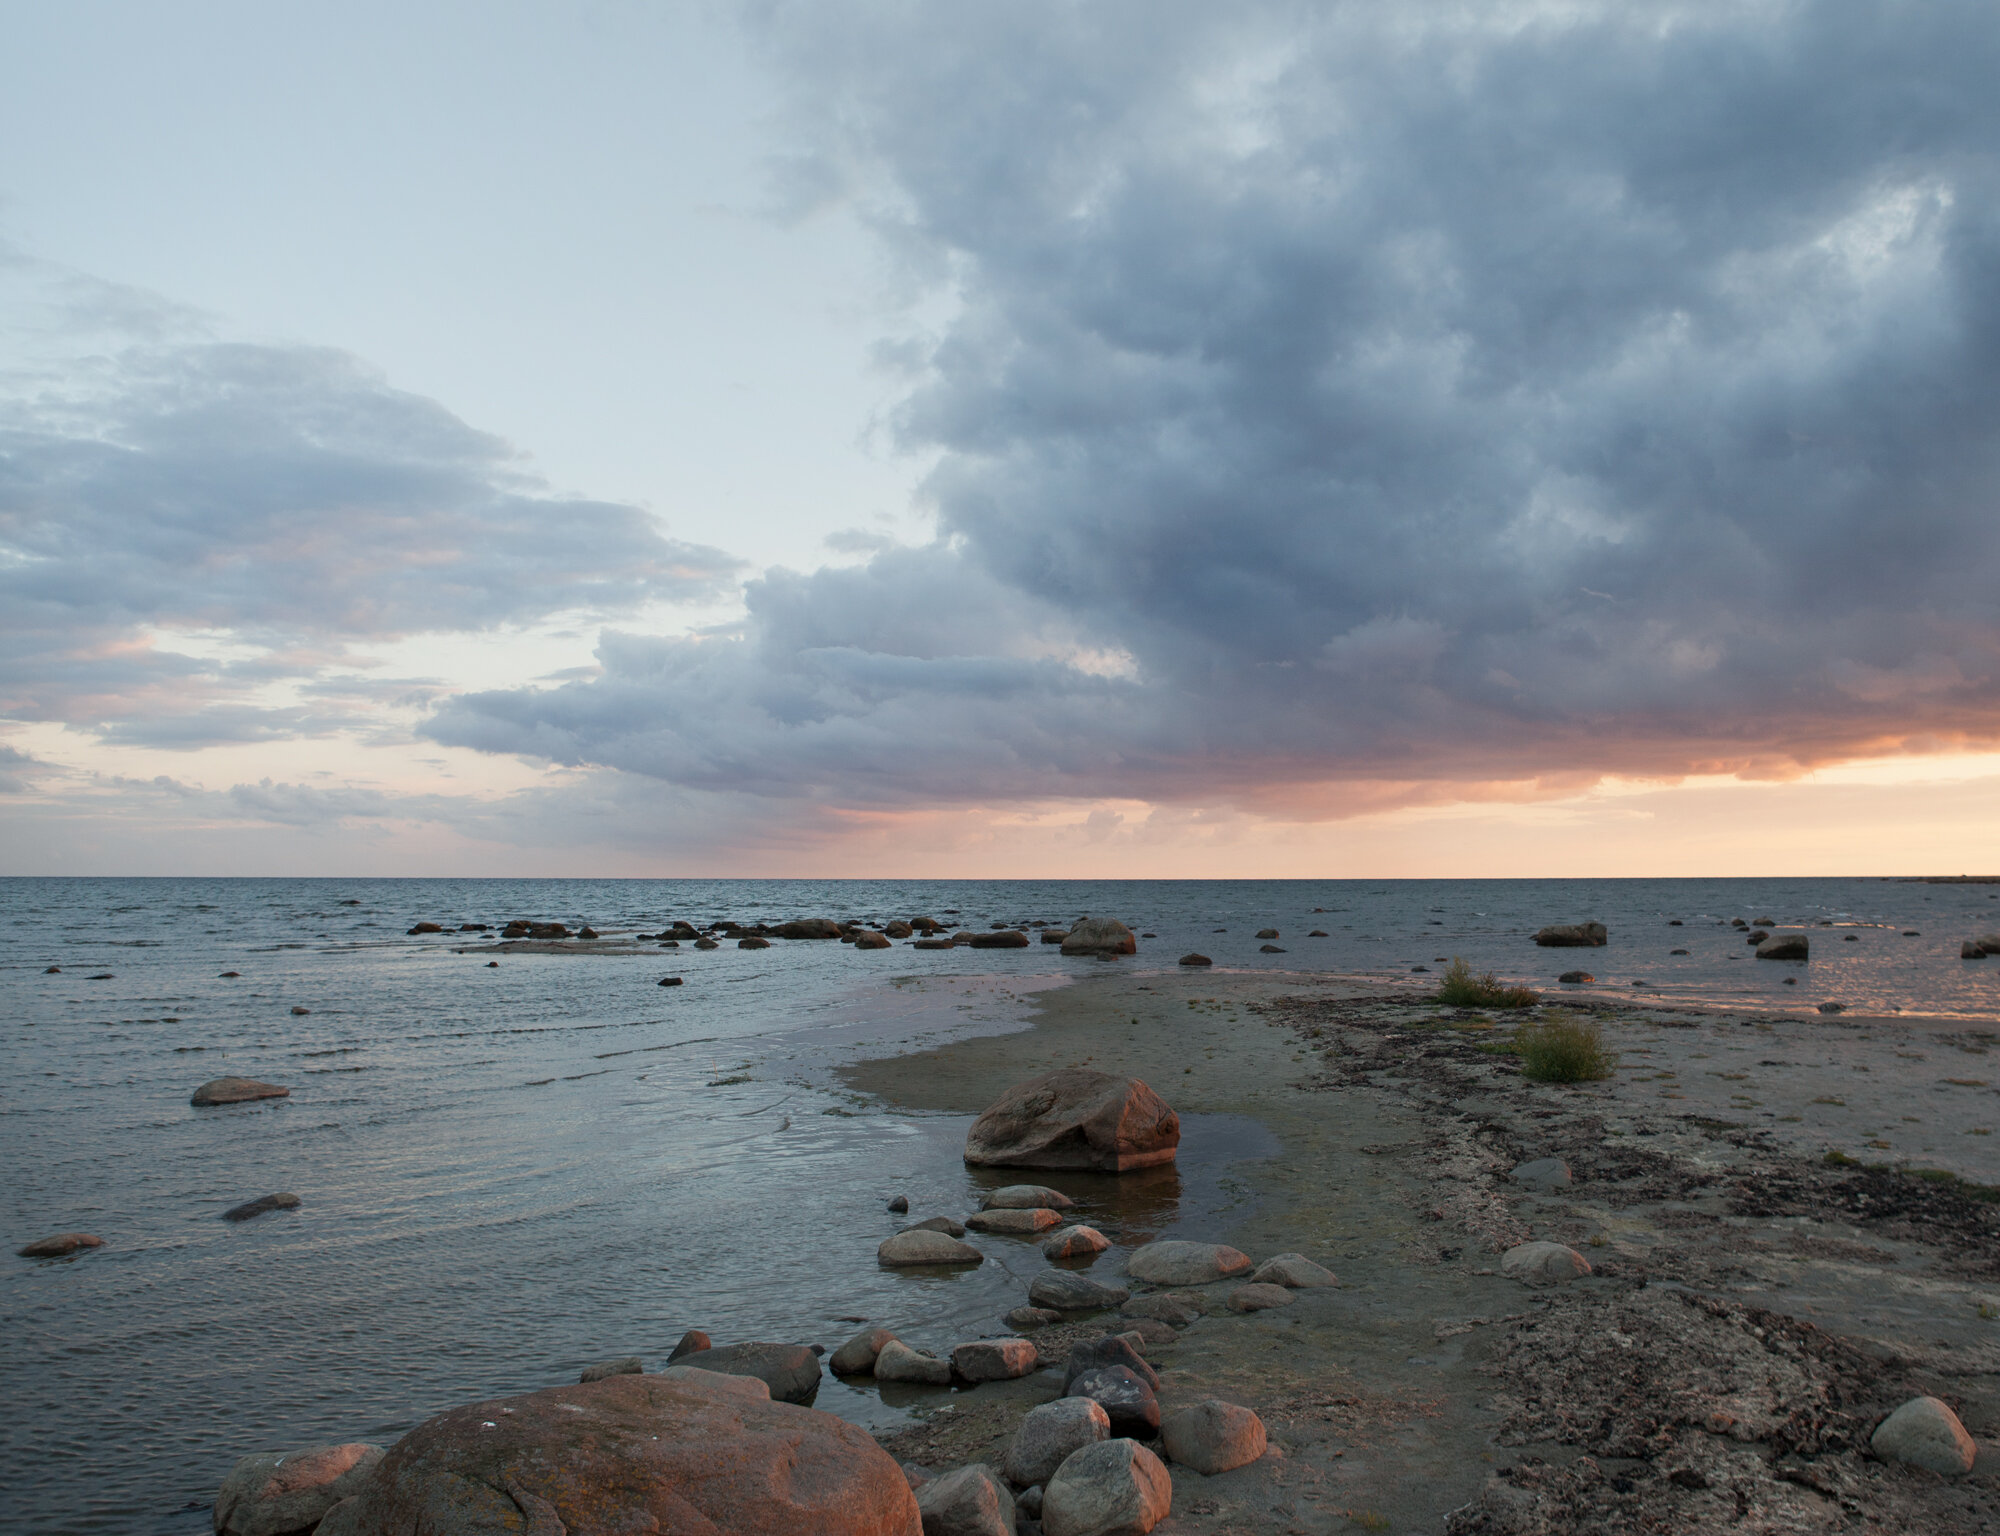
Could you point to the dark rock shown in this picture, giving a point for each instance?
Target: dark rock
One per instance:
(300, 1011)
(1676, 951)
(236, 1090)
(586, 932)
(56, 970)
(1267, 933)
(1196, 959)
(1108, 1351)
(808, 928)
(899, 1203)
(932, 944)
(1099, 936)
(427, 928)
(868, 940)
(898, 929)
(1011, 938)
(994, 1359)
(753, 943)
(230, 975)
(1125, 1398)
(1833, 1007)
(1785, 946)
(670, 981)
(1317, 933)
(1075, 1118)
(692, 1342)
(492, 965)
(1270, 949)
(1573, 936)
(251, 1209)
(61, 1246)
(706, 944)
(1576, 978)
(791, 1371)
(1054, 935)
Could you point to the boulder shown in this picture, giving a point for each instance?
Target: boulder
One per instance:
(664, 981)
(236, 1090)
(1925, 1433)
(1007, 938)
(1101, 1354)
(1757, 938)
(791, 1371)
(1179, 1263)
(1260, 1298)
(898, 1362)
(629, 1366)
(994, 1359)
(1013, 1223)
(857, 1356)
(1099, 936)
(1074, 1243)
(753, 943)
(1029, 1502)
(1542, 1173)
(274, 1493)
(249, 1210)
(1075, 1118)
(1113, 1488)
(808, 928)
(1049, 1435)
(1149, 1333)
(672, 1452)
(60, 1246)
(920, 1246)
(1163, 1306)
(1972, 949)
(942, 1224)
(931, 944)
(692, 1342)
(899, 1203)
(1576, 978)
(1066, 1291)
(897, 930)
(1293, 1269)
(426, 928)
(1573, 936)
(1785, 946)
(1543, 1264)
(1196, 959)
(869, 940)
(1212, 1436)
(968, 1502)
(1032, 1317)
(1122, 1393)
(1267, 933)
(706, 944)
(1054, 935)
(1026, 1197)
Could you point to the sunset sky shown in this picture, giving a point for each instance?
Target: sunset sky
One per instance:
(1142, 439)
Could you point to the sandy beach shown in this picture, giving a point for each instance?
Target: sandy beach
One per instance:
(1761, 1294)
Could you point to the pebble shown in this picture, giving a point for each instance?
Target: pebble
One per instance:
(1113, 1486)
(1212, 1436)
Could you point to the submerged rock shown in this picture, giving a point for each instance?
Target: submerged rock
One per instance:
(1573, 936)
(1067, 1291)
(1925, 1433)
(60, 1246)
(236, 1090)
(251, 1209)
(1543, 1264)
(1212, 1436)
(791, 1371)
(275, 1493)
(1013, 1223)
(920, 1246)
(1075, 1118)
(1050, 1434)
(1026, 1197)
(1293, 1269)
(1115, 1486)
(629, 1366)
(1181, 1263)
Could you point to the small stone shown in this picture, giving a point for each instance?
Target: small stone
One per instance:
(629, 1366)
(1196, 959)
(1026, 1197)
(1013, 1223)
(1104, 1353)
(1925, 1433)
(1270, 949)
(1074, 1243)
(1543, 1264)
(1212, 1436)
(1576, 978)
(1259, 1298)
(61, 1246)
(276, 1493)
(968, 1502)
(857, 1356)
(1122, 1393)
(899, 1362)
(994, 1359)
(899, 1203)
(1182, 1263)
(1050, 1434)
(692, 1342)
(1114, 1488)
(299, 1011)
(942, 1224)
(251, 1209)
(1032, 1317)
(1293, 1269)
(1067, 1291)
(235, 1090)
(1542, 1173)
(919, 1247)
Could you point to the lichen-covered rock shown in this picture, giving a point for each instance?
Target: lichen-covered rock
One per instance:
(994, 1359)
(1049, 1435)
(1180, 1263)
(275, 1493)
(1925, 1433)
(1293, 1269)
(1075, 1118)
(1543, 1263)
(1212, 1436)
(1113, 1488)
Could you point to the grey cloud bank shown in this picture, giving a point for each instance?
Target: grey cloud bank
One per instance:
(1384, 393)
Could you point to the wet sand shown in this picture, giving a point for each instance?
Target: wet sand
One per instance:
(1755, 1309)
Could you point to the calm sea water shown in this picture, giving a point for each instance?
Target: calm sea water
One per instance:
(509, 1172)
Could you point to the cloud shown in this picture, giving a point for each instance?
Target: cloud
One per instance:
(157, 483)
(19, 770)
(1462, 397)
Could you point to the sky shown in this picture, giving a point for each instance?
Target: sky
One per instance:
(1026, 439)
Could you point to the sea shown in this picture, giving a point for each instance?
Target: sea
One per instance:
(509, 1171)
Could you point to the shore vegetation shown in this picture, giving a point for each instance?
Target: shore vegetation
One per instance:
(1461, 989)
(1559, 1047)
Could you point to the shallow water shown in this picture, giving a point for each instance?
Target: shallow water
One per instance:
(508, 1172)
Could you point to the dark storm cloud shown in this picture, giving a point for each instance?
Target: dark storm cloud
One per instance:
(285, 496)
(1390, 392)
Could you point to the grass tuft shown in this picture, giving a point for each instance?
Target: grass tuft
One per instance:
(1562, 1048)
(1461, 989)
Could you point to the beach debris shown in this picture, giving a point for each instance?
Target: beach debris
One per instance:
(897, 1361)
(60, 1246)
(613, 1454)
(1031, 1317)
(791, 1371)
(1576, 978)
(1075, 1118)
(942, 1224)
(1573, 936)
(1174, 1262)
(1099, 936)
(629, 1366)
(1078, 1242)
(235, 1090)
(1132, 1406)
(1114, 1485)
(1542, 1173)
(1293, 1269)
(1195, 959)
(692, 1342)
(994, 1359)
(857, 1356)
(251, 1209)
(1101, 1354)
(1785, 946)
(274, 1493)
(1259, 1298)
(869, 939)
(1543, 1263)
(1025, 1197)
(1925, 1433)
(1212, 1436)
(1049, 1435)
(1067, 1291)
(921, 1245)
(1014, 1223)
(968, 1502)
